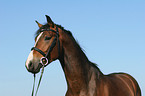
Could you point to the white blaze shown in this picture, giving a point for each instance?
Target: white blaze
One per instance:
(38, 38)
(30, 57)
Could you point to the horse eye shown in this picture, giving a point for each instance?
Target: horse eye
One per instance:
(47, 38)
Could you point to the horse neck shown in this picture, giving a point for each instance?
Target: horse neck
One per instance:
(75, 64)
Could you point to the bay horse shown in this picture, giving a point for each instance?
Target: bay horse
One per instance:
(83, 77)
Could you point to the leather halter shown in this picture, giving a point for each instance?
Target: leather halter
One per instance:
(45, 58)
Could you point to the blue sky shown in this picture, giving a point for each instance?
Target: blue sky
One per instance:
(112, 33)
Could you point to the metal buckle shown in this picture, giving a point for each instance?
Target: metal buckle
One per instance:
(44, 61)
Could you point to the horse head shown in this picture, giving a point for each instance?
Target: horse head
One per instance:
(46, 48)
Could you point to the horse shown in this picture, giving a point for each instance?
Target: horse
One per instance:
(83, 77)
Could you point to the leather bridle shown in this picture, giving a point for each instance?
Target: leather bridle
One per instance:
(45, 60)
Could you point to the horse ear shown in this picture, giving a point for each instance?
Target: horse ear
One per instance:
(49, 21)
(40, 25)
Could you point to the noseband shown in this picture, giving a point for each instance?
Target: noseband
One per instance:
(45, 60)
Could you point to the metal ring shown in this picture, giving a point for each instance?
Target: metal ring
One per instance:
(46, 60)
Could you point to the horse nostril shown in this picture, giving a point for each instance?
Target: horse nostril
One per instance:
(30, 64)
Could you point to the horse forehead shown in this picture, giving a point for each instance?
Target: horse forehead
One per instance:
(38, 37)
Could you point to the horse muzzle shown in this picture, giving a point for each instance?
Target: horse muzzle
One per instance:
(33, 67)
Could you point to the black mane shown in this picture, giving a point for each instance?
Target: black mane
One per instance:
(46, 26)
(66, 31)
